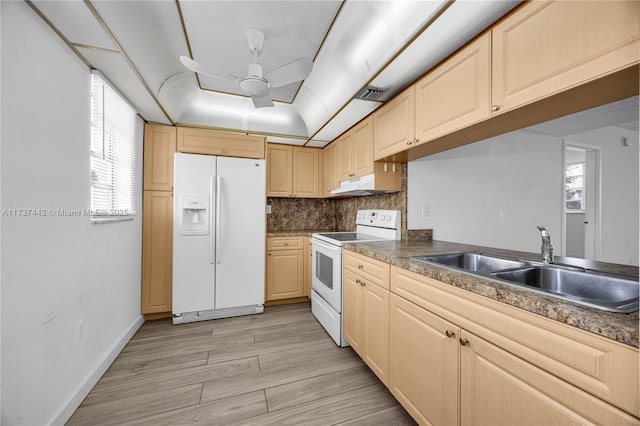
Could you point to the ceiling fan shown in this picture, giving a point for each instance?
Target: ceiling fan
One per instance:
(254, 84)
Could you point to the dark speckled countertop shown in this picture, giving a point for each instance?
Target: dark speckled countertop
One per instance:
(620, 327)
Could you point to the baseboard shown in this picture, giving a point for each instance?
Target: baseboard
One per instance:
(92, 378)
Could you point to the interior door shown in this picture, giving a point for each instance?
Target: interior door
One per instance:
(240, 238)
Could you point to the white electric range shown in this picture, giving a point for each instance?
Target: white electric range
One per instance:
(326, 294)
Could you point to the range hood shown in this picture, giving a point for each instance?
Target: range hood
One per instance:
(366, 185)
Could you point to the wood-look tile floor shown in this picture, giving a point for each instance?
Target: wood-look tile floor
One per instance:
(275, 368)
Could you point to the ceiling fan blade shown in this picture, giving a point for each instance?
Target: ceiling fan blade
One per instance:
(262, 101)
(201, 69)
(291, 72)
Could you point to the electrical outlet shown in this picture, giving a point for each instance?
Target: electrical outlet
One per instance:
(268, 208)
(425, 210)
(80, 334)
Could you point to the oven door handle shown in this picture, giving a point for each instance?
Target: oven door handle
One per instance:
(326, 246)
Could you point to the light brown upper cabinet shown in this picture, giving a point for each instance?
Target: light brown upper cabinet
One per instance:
(456, 94)
(547, 47)
(329, 171)
(293, 171)
(345, 147)
(212, 142)
(159, 147)
(306, 172)
(393, 125)
(356, 150)
(279, 170)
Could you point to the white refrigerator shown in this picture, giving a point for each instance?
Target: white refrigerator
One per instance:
(218, 237)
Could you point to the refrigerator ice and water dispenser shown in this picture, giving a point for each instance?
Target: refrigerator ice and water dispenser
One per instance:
(195, 214)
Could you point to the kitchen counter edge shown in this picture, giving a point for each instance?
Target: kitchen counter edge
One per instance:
(620, 327)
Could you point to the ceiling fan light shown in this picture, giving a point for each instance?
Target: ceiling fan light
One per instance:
(255, 86)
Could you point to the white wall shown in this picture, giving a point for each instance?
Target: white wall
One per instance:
(491, 193)
(620, 189)
(494, 192)
(55, 270)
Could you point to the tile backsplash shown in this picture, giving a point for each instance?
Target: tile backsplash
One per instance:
(293, 214)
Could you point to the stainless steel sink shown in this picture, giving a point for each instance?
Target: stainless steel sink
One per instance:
(601, 291)
(473, 262)
(607, 292)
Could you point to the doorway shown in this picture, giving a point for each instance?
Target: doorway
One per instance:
(581, 201)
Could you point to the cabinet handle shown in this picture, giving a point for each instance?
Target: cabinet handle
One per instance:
(463, 341)
(409, 142)
(360, 266)
(415, 140)
(495, 107)
(449, 333)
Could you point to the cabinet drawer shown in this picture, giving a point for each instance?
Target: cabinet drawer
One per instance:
(600, 366)
(285, 243)
(372, 270)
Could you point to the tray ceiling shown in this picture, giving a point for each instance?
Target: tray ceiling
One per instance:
(137, 45)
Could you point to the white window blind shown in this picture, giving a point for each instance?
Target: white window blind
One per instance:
(113, 153)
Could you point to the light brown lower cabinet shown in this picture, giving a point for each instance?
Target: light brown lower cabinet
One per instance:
(366, 311)
(497, 387)
(285, 268)
(458, 358)
(157, 252)
(423, 367)
(444, 375)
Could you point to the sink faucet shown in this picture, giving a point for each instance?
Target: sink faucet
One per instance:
(546, 251)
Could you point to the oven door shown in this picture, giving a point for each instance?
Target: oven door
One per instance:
(327, 272)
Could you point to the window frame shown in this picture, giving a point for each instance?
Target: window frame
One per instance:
(119, 158)
(582, 188)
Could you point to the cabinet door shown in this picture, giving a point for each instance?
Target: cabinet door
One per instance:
(352, 311)
(306, 172)
(329, 172)
(423, 363)
(279, 171)
(212, 142)
(547, 47)
(393, 125)
(345, 156)
(284, 274)
(456, 94)
(159, 147)
(375, 328)
(362, 147)
(157, 251)
(498, 388)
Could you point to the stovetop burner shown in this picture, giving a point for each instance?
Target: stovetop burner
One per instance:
(371, 225)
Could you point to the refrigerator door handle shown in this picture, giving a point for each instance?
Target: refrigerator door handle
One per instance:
(218, 208)
(212, 196)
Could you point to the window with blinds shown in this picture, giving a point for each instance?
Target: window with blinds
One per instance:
(113, 153)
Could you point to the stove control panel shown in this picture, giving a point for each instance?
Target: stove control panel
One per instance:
(379, 218)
